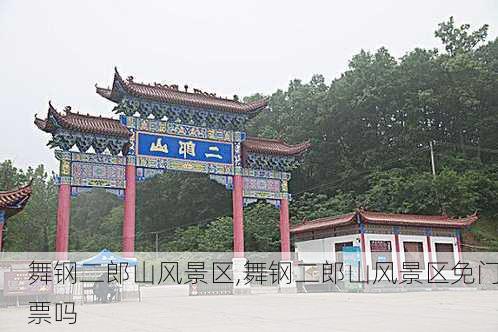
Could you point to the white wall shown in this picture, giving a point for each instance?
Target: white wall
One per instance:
(323, 250)
(415, 238)
(450, 240)
(368, 253)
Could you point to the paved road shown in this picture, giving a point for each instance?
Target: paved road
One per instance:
(422, 311)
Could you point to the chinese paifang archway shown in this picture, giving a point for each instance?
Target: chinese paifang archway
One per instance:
(160, 128)
(11, 203)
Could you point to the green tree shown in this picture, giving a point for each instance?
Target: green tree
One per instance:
(32, 229)
(460, 39)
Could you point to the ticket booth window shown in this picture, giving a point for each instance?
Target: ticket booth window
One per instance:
(414, 253)
(381, 252)
(339, 249)
(444, 256)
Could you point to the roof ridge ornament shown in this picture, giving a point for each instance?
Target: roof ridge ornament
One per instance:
(50, 106)
(197, 99)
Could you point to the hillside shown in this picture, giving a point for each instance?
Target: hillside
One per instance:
(370, 131)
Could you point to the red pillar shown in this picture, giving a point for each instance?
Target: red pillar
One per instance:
(284, 229)
(429, 251)
(129, 213)
(1, 235)
(238, 216)
(459, 244)
(364, 253)
(398, 256)
(63, 217)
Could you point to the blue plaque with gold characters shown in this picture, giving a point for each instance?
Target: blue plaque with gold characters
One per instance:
(184, 148)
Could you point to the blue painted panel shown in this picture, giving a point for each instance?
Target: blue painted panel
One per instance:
(183, 148)
(351, 255)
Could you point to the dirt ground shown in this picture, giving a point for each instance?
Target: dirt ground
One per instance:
(418, 311)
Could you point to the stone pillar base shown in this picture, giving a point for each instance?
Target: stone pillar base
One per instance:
(288, 289)
(242, 291)
(239, 283)
(287, 278)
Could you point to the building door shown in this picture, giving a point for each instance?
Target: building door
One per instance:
(414, 253)
(339, 249)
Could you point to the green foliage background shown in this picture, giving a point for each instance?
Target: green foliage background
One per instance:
(370, 129)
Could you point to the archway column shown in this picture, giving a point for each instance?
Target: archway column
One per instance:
(238, 216)
(63, 219)
(287, 284)
(238, 259)
(284, 229)
(129, 212)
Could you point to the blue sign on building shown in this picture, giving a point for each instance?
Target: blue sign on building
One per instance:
(184, 148)
(351, 257)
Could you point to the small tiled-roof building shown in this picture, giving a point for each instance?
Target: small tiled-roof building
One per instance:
(11, 203)
(379, 236)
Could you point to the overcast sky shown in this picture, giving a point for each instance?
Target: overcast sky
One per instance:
(58, 50)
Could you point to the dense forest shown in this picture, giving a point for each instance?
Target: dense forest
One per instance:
(370, 131)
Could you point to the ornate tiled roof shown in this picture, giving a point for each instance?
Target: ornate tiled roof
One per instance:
(14, 201)
(272, 146)
(386, 219)
(172, 94)
(416, 219)
(323, 223)
(105, 126)
(81, 123)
